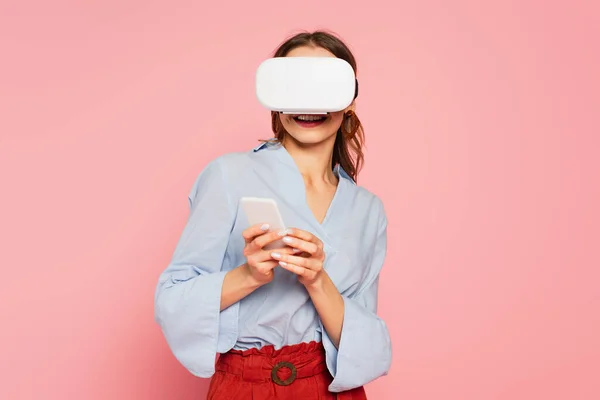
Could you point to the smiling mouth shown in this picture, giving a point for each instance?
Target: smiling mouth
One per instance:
(310, 120)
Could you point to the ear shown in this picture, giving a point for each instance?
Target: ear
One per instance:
(351, 107)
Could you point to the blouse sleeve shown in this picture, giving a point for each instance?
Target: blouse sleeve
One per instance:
(188, 295)
(365, 348)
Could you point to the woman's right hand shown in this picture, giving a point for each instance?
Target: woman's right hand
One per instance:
(259, 263)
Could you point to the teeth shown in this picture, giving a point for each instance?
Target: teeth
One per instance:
(309, 117)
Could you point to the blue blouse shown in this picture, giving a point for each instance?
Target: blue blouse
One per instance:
(188, 294)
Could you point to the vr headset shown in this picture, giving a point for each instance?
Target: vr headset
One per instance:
(305, 85)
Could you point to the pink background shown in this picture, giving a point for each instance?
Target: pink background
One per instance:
(483, 137)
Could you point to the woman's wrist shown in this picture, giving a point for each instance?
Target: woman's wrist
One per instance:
(249, 281)
(238, 283)
(316, 287)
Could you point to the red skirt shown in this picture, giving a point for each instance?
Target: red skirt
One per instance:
(297, 372)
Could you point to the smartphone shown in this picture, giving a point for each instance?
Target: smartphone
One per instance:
(260, 210)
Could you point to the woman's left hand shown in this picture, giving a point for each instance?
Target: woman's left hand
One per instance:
(308, 263)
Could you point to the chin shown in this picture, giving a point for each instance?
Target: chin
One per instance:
(311, 136)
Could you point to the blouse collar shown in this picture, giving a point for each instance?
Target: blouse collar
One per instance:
(273, 144)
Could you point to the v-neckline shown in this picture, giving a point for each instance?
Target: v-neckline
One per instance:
(330, 206)
(287, 159)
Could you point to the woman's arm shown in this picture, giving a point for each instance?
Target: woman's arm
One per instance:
(329, 304)
(356, 339)
(325, 297)
(258, 269)
(188, 296)
(237, 284)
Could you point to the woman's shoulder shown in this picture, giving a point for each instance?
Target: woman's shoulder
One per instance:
(226, 164)
(369, 202)
(229, 160)
(363, 198)
(220, 172)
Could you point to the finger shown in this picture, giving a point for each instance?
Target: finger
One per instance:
(265, 255)
(303, 272)
(263, 240)
(300, 244)
(308, 263)
(301, 253)
(255, 230)
(303, 235)
(266, 267)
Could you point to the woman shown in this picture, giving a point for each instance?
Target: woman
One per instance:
(299, 322)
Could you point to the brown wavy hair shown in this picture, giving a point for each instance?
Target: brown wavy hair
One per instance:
(349, 141)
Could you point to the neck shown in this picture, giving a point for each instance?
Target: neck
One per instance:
(313, 161)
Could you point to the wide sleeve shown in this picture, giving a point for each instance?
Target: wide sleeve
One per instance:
(365, 348)
(187, 299)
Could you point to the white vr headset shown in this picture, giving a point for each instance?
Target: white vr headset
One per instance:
(305, 85)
